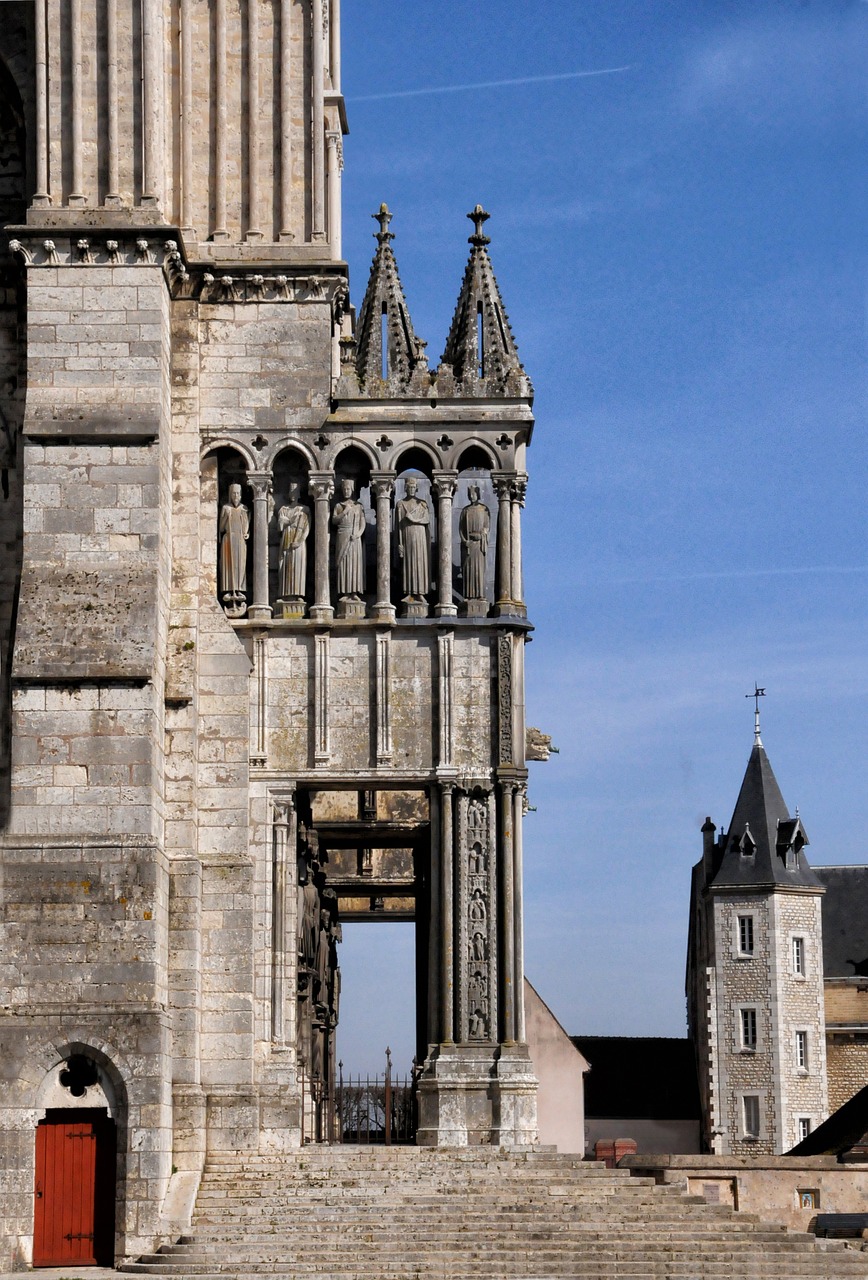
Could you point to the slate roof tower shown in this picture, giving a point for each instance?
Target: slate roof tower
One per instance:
(755, 974)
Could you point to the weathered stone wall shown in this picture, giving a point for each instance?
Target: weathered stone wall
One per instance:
(847, 1068)
(798, 1006)
(785, 1003)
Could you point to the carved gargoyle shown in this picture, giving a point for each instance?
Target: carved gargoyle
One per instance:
(538, 745)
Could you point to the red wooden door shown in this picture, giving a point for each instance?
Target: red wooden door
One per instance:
(73, 1219)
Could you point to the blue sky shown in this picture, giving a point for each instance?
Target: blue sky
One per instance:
(681, 247)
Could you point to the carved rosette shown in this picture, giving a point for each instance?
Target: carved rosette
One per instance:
(477, 1004)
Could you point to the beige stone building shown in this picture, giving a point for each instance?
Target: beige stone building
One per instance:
(262, 618)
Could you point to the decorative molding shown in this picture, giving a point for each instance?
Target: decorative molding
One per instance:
(322, 660)
(383, 709)
(259, 676)
(504, 699)
(477, 934)
(445, 655)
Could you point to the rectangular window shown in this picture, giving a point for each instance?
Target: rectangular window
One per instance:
(802, 1050)
(748, 1028)
(750, 1105)
(745, 935)
(804, 1127)
(799, 957)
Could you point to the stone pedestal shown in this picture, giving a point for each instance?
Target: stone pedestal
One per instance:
(351, 608)
(477, 1095)
(476, 608)
(291, 607)
(415, 608)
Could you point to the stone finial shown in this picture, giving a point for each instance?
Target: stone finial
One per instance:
(387, 354)
(478, 217)
(480, 348)
(384, 217)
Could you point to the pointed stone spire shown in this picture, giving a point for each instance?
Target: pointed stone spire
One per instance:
(480, 349)
(391, 371)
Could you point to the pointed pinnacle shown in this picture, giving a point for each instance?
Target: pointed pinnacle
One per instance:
(384, 218)
(478, 217)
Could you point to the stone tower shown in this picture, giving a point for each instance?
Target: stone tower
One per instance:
(755, 975)
(261, 610)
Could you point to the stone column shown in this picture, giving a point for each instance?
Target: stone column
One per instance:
(260, 483)
(447, 978)
(507, 910)
(444, 484)
(321, 485)
(518, 901)
(333, 188)
(284, 849)
(317, 121)
(383, 486)
(503, 482)
(519, 492)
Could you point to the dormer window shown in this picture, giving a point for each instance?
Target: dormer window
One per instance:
(747, 844)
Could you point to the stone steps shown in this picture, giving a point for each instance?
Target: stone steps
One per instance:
(421, 1214)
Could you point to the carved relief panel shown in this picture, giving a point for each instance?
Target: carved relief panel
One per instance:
(477, 930)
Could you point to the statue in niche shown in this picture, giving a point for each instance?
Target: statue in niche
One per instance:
(477, 860)
(477, 908)
(474, 526)
(414, 547)
(477, 947)
(348, 517)
(309, 922)
(477, 1025)
(323, 957)
(293, 520)
(233, 531)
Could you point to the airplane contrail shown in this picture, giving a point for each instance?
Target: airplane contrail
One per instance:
(744, 573)
(487, 84)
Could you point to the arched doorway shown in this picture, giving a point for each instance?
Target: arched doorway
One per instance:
(75, 1187)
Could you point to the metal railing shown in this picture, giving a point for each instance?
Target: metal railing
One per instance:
(378, 1109)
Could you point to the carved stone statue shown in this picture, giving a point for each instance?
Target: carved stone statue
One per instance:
(414, 547)
(478, 947)
(348, 517)
(477, 1025)
(474, 526)
(293, 520)
(233, 532)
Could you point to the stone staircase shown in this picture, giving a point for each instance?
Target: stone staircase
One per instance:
(422, 1214)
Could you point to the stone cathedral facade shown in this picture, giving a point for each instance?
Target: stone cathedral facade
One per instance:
(261, 610)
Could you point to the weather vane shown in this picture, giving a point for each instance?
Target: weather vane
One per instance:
(756, 695)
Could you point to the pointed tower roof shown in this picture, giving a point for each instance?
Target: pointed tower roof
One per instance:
(404, 356)
(764, 845)
(480, 314)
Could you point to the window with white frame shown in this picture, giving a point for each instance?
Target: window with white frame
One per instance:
(750, 1115)
(745, 935)
(748, 1028)
(799, 957)
(802, 1050)
(804, 1127)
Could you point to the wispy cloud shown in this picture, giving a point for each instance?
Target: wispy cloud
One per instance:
(486, 84)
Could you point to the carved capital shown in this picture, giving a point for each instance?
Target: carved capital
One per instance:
(444, 483)
(321, 485)
(282, 808)
(519, 489)
(260, 483)
(382, 484)
(503, 482)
